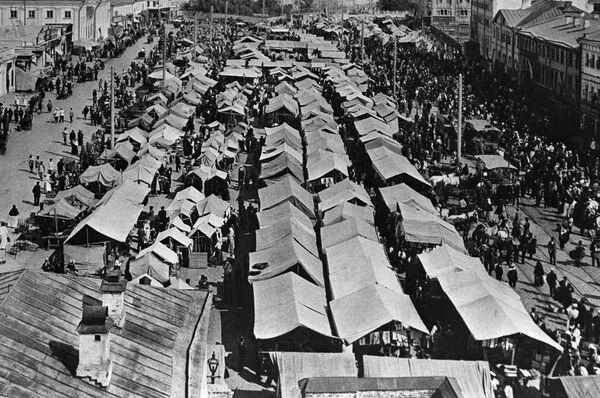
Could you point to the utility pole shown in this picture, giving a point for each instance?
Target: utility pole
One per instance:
(225, 25)
(164, 60)
(263, 13)
(112, 107)
(460, 99)
(362, 42)
(395, 60)
(195, 35)
(211, 28)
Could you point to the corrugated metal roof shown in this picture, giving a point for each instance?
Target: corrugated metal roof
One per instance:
(39, 339)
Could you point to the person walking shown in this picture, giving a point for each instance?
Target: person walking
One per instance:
(62, 115)
(499, 271)
(593, 253)
(13, 217)
(552, 251)
(37, 192)
(578, 253)
(71, 114)
(551, 280)
(65, 135)
(538, 273)
(41, 170)
(512, 276)
(31, 163)
(85, 112)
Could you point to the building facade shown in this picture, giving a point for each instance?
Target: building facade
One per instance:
(590, 83)
(452, 17)
(482, 13)
(550, 59)
(504, 52)
(90, 19)
(7, 70)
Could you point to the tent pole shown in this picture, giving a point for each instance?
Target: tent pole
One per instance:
(112, 107)
(164, 59)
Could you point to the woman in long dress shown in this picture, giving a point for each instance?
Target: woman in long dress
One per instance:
(47, 184)
(13, 217)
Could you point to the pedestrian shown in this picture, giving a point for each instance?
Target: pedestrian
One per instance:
(41, 170)
(13, 217)
(512, 276)
(80, 138)
(56, 115)
(538, 274)
(578, 253)
(499, 271)
(71, 115)
(37, 192)
(49, 106)
(31, 163)
(242, 349)
(65, 135)
(241, 177)
(85, 112)
(62, 115)
(593, 253)
(532, 246)
(551, 280)
(51, 166)
(552, 251)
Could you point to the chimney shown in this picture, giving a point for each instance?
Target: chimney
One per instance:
(568, 20)
(94, 345)
(113, 295)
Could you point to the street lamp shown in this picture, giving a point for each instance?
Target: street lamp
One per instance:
(213, 365)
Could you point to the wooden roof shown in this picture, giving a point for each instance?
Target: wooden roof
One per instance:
(39, 343)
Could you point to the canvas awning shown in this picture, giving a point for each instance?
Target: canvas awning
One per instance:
(378, 306)
(77, 196)
(286, 302)
(281, 165)
(283, 211)
(477, 298)
(212, 205)
(271, 236)
(444, 259)
(356, 263)
(163, 252)
(111, 221)
(287, 189)
(322, 163)
(345, 211)
(492, 162)
(402, 193)
(61, 209)
(343, 191)
(105, 174)
(346, 230)
(420, 226)
(176, 235)
(152, 265)
(289, 255)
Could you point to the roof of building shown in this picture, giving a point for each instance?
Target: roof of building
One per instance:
(39, 347)
(557, 31)
(447, 387)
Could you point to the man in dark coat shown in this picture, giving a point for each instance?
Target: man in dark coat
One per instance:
(551, 279)
(37, 192)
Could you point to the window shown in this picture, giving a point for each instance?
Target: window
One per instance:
(598, 63)
(97, 337)
(50, 14)
(147, 4)
(31, 14)
(68, 14)
(13, 12)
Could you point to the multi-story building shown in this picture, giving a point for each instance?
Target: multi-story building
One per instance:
(590, 83)
(482, 13)
(452, 17)
(90, 19)
(504, 52)
(550, 59)
(7, 70)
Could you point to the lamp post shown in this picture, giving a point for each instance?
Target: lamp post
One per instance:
(213, 365)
